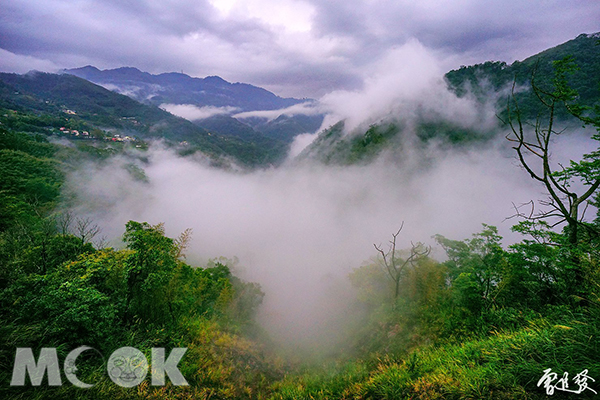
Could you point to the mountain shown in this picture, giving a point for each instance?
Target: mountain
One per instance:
(65, 101)
(489, 81)
(286, 127)
(494, 77)
(179, 88)
(213, 91)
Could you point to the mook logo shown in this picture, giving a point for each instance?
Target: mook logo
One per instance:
(127, 367)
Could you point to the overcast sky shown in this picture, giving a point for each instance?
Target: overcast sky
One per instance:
(300, 48)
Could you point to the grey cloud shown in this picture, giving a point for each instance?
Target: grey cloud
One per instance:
(345, 36)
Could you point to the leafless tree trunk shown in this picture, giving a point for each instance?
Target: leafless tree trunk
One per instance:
(395, 264)
(563, 203)
(86, 230)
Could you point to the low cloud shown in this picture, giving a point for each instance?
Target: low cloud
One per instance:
(300, 142)
(195, 113)
(406, 84)
(307, 108)
(299, 230)
(11, 62)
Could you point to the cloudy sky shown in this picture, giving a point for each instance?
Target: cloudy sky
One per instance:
(301, 48)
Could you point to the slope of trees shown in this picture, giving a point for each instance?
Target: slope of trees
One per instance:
(58, 289)
(489, 322)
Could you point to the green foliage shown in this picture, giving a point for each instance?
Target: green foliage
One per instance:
(504, 365)
(484, 323)
(143, 296)
(57, 290)
(30, 180)
(475, 266)
(34, 145)
(37, 180)
(490, 77)
(488, 321)
(335, 146)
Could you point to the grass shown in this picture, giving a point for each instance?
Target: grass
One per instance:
(506, 365)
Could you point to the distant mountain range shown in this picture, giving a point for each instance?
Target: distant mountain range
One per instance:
(132, 102)
(44, 103)
(180, 89)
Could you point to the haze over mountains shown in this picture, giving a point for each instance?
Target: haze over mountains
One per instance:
(466, 109)
(256, 127)
(432, 156)
(200, 99)
(178, 88)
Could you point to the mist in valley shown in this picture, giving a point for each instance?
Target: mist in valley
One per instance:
(299, 229)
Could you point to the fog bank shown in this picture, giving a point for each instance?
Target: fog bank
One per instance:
(299, 230)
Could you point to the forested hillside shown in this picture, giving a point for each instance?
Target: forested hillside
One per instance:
(65, 101)
(212, 91)
(496, 76)
(490, 82)
(60, 287)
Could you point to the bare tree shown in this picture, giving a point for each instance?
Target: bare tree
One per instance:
(564, 203)
(85, 229)
(395, 263)
(64, 221)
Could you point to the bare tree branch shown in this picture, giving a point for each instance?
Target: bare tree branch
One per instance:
(395, 265)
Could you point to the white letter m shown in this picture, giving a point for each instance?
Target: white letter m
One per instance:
(25, 362)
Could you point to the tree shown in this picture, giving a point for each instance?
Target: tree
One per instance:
(475, 267)
(161, 287)
(395, 262)
(150, 268)
(564, 202)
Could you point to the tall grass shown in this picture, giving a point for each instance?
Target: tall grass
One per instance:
(505, 365)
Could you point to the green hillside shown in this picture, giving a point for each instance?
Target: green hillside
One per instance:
(335, 146)
(41, 102)
(490, 80)
(495, 76)
(487, 321)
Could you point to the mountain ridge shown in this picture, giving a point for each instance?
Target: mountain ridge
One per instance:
(209, 91)
(73, 103)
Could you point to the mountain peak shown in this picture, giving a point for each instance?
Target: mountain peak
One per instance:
(87, 68)
(215, 79)
(125, 69)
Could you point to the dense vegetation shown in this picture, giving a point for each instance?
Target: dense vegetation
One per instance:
(57, 289)
(484, 323)
(484, 79)
(488, 321)
(335, 146)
